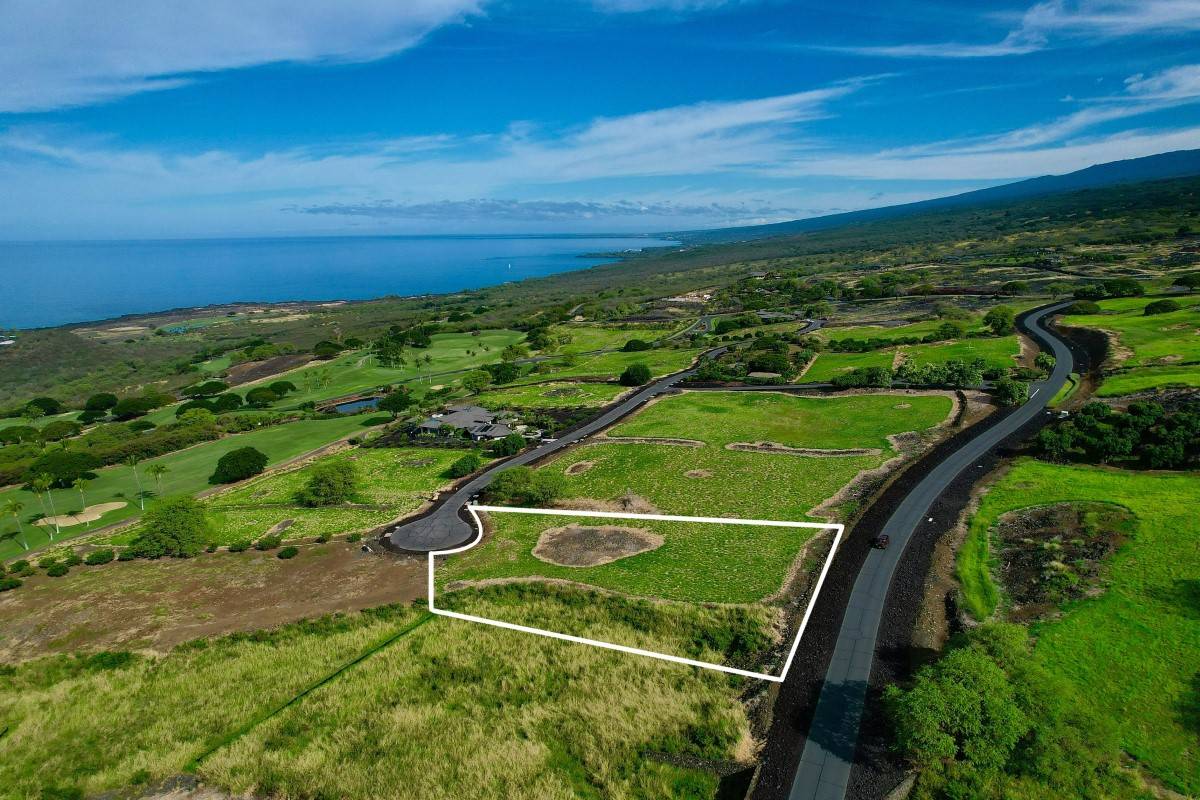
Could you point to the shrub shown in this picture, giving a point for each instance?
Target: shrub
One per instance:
(20, 567)
(465, 465)
(57, 569)
(635, 375)
(329, 484)
(354, 537)
(269, 542)
(326, 350)
(636, 345)
(508, 446)
(288, 552)
(47, 405)
(525, 486)
(141, 426)
(103, 402)
(8, 584)
(126, 555)
(174, 526)
(1087, 307)
(132, 407)
(100, 557)
(1151, 309)
(72, 559)
(323, 538)
(226, 402)
(63, 466)
(261, 397)
(239, 464)
(282, 388)
(60, 429)
(239, 546)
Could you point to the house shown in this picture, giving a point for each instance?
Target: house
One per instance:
(775, 316)
(7, 342)
(479, 423)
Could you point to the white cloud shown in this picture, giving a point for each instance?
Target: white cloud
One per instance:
(1042, 23)
(56, 53)
(638, 6)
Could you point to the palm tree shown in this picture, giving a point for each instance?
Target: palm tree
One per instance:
(132, 461)
(15, 507)
(157, 470)
(42, 483)
(81, 484)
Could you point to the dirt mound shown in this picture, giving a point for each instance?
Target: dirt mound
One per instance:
(775, 447)
(591, 545)
(579, 467)
(698, 473)
(630, 503)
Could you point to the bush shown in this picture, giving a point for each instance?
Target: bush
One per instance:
(206, 389)
(174, 526)
(20, 567)
(261, 397)
(465, 465)
(323, 538)
(636, 345)
(63, 466)
(57, 569)
(103, 402)
(329, 484)
(508, 446)
(635, 375)
(239, 546)
(132, 407)
(141, 426)
(8, 584)
(1151, 309)
(226, 402)
(60, 429)
(126, 555)
(97, 557)
(72, 559)
(239, 464)
(354, 537)
(524, 486)
(282, 388)
(326, 350)
(1084, 307)
(47, 405)
(268, 542)
(1009, 392)
(288, 552)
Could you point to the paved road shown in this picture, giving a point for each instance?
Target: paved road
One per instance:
(824, 771)
(444, 528)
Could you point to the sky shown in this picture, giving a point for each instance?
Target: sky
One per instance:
(154, 119)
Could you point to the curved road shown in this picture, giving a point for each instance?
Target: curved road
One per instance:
(824, 770)
(443, 527)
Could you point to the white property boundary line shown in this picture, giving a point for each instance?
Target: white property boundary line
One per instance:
(474, 509)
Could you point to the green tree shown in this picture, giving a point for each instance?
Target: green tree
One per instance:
(42, 484)
(237, 465)
(636, 345)
(396, 402)
(156, 471)
(13, 508)
(174, 526)
(1000, 319)
(635, 375)
(1151, 309)
(132, 462)
(103, 402)
(508, 446)
(476, 382)
(329, 484)
(80, 485)
(514, 352)
(526, 486)
(465, 465)
(261, 397)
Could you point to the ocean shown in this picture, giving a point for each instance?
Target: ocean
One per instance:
(54, 283)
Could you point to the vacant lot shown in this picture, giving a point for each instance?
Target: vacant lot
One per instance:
(1141, 379)
(998, 351)
(661, 361)
(582, 337)
(1132, 651)
(557, 394)
(187, 472)
(438, 709)
(829, 365)
(392, 482)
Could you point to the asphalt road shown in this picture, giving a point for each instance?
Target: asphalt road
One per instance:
(444, 527)
(828, 757)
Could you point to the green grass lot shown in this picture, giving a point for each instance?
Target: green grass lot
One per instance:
(188, 473)
(446, 709)
(392, 480)
(996, 351)
(1156, 340)
(711, 562)
(827, 365)
(588, 336)
(1131, 652)
(1142, 379)
(214, 365)
(9, 422)
(557, 394)
(923, 328)
(661, 361)
(1067, 391)
(359, 371)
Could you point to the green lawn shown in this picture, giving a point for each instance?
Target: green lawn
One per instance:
(397, 480)
(711, 563)
(1155, 340)
(996, 351)
(359, 371)
(557, 394)
(661, 361)
(1143, 378)
(188, 473)
(1131, 652)
(589, 336)
(435, 708)
(828, 365)
(923, 328)
(9, 422)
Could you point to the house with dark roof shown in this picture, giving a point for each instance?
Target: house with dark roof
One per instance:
(479, 423)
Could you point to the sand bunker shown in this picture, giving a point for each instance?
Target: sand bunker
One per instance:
(89, 514)
(591, 546)
(775, 447)
(579, 467)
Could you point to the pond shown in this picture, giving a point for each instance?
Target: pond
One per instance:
(354, 406)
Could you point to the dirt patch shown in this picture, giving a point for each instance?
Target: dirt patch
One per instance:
(650, 440)
(1029, 351)
(591, 546)
(1117, 352)
(257, 370)
(775, 447)
(1169, 359)
(281, 526)
(630, 503)
(154, 605)
(698, 473)
(1052, 554)
(579, 467)
(419, 462)
(563, 391)
(89, 514)
(902, 405)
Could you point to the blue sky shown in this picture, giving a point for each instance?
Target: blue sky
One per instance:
(192, 118)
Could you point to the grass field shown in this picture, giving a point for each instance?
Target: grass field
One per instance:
(396, 480)
(188, 472)
(557, 394)
(1155, 340)
(587, 336)
(359, 371)
(710, 562)
(444, 709)
(997, 351)
(1131, 652)
(1142, 379)
(661, 361)
(828, 365)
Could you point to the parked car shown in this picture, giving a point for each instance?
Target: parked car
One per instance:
(881, 541)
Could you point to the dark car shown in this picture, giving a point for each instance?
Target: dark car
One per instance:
(880, 542)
